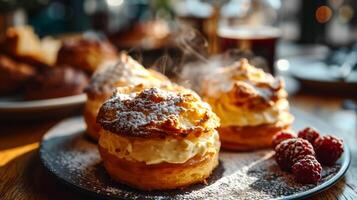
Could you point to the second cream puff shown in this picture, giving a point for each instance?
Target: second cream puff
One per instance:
(251, 104)
(124, 71)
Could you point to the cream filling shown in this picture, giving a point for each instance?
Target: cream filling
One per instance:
(232, 115)
(154, 151)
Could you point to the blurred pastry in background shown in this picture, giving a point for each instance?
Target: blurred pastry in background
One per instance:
(158, 138)
(60, 81)
(124, 71)
(85, 53)
(24, 45)
(14, 75)
(144, 35)
(251, 104)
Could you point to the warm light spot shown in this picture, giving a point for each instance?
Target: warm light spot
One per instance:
(323, 14)
(283, 65)
(9, 154)
(346, 13)
(114, 2)
(159, 29)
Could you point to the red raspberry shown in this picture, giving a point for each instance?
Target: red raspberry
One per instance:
(291, 150)
(307, 170)
(281, 136)
(309, 134)
(328, 149)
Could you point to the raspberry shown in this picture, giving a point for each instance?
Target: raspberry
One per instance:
(307, 170)
(281, 136)
(309, 134)
(328, 149)
(291, 150)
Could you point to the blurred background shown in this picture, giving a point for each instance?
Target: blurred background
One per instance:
(311, 43)
(270, 29)
(301, 27)
(330, 22)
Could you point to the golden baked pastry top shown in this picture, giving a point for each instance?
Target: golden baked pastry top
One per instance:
(87, 45)
(86, 53)
(122, 72)
(22, 43)
(245, 86)
(156, 113)
(242, 95)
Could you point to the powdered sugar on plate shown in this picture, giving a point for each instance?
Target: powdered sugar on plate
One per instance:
(73, 158)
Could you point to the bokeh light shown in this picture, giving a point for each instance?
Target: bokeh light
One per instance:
(114, 2)
(323, 14)
(283, 65)
(345, 13)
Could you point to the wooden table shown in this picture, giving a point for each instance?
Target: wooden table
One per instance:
(23, 177)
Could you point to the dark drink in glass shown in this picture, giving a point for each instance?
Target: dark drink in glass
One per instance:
(260, 40)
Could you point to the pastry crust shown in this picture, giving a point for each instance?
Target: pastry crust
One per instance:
(14, 75)
(158, 139)
(60, 81)
(157, 113)
(85, 53)
(90, 118)
(24, 45)
(122, 72)
(93, 104)
(159, 176)
(251, 104)
(249, 137)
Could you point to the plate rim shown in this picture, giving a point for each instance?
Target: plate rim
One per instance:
(300, 195)
(42, 104)
(329, 183)
(298, 76)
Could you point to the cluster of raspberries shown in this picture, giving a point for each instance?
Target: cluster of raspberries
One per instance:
(303, 154)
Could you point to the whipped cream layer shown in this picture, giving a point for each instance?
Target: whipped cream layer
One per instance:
(232, 115)
(155, 151)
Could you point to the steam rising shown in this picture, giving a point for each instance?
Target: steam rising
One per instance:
(193, 73)
(192, 47)
(192, 43)
(163, 63)
(193, 64)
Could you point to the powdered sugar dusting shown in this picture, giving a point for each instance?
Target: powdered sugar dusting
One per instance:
(113, 73)
(251, 175)
(130, 113)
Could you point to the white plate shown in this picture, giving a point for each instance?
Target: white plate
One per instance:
(35, 109)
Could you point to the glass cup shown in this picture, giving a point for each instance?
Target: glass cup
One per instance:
(259, 40)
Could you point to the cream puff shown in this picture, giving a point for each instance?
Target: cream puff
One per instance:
(85, 53)
(251, 104)
(14, 75)
(59, 81)
(124, 71)
(24, 45)
(158, 139)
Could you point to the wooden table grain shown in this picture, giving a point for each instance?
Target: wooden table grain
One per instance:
(23, 177)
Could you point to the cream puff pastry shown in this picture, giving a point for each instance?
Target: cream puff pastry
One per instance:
(251, 104)
(22, 43)
(85, 53)
(158, 138)
(124, 71)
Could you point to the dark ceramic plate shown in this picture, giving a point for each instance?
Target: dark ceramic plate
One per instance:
(73, 158)
(314, 74)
